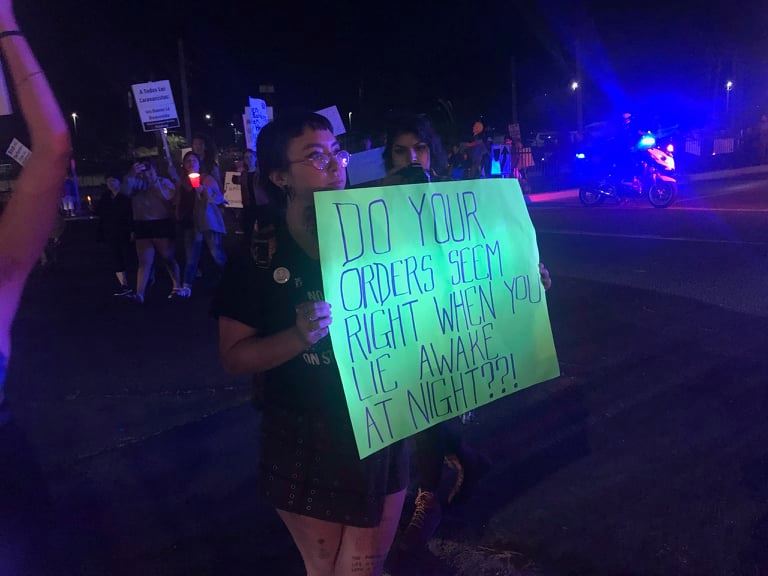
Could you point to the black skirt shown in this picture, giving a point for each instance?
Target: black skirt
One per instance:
(306, 470)
(154, 229)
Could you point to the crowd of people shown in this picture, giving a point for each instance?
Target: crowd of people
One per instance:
(342, 512)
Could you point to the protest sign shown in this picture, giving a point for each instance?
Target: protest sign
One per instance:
(501, 160)
(366, 166)
(232, 191)
(254, 119)
(154, 101)
(437, 302)
(18, 152)
(332, 113)
(5, 99)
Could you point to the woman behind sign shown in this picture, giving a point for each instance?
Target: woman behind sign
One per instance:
(414, 155)
(24, 229)
(341, 511)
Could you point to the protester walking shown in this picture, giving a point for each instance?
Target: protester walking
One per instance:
(115, 227)
(198, 201)
(208, 154)
(341, 511)
(153, 224)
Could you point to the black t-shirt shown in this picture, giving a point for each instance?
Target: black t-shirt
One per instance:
(116, 215)
(309, 384)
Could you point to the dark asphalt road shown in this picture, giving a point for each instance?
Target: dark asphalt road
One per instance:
(649, 456)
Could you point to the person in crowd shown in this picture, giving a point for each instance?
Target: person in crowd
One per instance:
(116, 222)
(412, 143)
(477, 152)
(154, 227)
(341, 511)
(256, 202)
(206, 151)
(199, 216)
(25, 225)
(70, 198)
(413, 155)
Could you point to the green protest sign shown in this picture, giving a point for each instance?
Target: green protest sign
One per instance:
(437, 302)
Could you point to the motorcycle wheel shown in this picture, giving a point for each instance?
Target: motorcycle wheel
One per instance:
(590, 196)
(662, 194)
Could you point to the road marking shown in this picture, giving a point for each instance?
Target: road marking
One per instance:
(649, 237)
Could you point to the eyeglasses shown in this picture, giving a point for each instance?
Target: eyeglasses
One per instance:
(320, 161)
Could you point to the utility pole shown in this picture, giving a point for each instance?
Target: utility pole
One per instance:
(579, 90)
(513, 84)
(185, 93)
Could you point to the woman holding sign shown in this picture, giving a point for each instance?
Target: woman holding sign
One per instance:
(341, 511)
(25, 226)
(411, 156)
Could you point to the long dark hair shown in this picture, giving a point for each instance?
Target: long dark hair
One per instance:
(420, 126)
(272, 147)
(207, 163)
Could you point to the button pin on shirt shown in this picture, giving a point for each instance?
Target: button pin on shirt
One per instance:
(281, 275)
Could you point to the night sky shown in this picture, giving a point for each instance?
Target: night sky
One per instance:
(672, 56)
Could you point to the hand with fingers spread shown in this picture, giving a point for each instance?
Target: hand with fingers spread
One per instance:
(312, 321)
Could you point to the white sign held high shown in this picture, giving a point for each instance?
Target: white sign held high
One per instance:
(332, 113)
(18, 152)
(154, 101)
(366, 166)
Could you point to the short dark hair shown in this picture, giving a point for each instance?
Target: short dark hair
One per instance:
(420, 126)
(273, 141)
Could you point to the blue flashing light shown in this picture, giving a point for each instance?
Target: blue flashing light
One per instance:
(647, 141)
(581, 156)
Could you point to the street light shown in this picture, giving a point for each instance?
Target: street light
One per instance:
(579, 105)
(728, 89)
(74, 121)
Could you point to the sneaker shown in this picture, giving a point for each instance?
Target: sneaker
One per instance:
(179, 293)
(123, 292)
(424, 522)
(138, 298)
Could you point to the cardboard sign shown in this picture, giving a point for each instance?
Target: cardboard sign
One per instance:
(254, 119)
(18, 152)
(5, 99)
(154, 101)
(232, 191)
(438, 306)
(332, 113)
(366, 166)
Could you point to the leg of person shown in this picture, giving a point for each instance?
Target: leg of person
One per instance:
(215, 242)
(145, 252)
(364, 550)
(119, 265)
(318, 541)
(167, 251)
(193, 246)
(429, 455)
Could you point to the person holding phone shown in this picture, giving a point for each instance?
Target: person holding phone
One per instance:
(153, 224)
(341, 511)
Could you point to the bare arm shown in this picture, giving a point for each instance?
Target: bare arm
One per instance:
(243, 351)
(32, 210)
